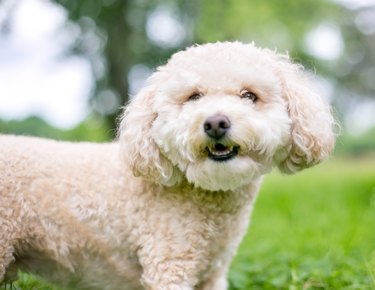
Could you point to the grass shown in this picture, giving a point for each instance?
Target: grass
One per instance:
(313, 230)
(28, 282)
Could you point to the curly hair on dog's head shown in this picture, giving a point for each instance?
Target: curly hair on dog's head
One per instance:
(169, 213)
(261, 106)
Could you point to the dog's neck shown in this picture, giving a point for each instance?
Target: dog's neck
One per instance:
(229, 202)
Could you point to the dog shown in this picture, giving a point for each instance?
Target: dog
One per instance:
(165, 206)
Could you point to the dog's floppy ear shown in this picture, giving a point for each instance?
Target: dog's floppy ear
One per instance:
(138, 147)
(312, 134)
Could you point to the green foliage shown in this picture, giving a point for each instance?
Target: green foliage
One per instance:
(356, 145)
(112, 34)
(279, 24)
(92, 129)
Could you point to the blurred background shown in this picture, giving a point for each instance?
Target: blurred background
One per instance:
(67, 66)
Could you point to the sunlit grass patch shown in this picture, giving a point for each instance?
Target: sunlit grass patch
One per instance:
(28, 282)
(314, 230)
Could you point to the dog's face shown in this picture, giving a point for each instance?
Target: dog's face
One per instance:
(221, 119)
(221, 115)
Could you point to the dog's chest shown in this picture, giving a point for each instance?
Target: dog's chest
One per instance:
(202, 226)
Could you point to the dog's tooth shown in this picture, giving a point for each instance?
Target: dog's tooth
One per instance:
(220, 153)
(215, 152)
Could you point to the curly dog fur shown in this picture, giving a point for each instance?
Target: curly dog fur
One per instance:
(165, 206)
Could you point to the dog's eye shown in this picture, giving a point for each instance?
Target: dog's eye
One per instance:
(195, 96)
(249, 95)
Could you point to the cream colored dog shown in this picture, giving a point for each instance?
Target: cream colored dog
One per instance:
(166, 206)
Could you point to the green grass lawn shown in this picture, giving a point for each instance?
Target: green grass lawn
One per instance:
(313, 230)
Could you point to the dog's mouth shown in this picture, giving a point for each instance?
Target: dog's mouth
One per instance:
(221, 152)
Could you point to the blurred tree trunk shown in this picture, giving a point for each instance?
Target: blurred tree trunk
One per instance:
(121, 27)
(118, 53)
(113, 30)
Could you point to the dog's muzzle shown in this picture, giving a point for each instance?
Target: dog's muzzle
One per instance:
(216, 127)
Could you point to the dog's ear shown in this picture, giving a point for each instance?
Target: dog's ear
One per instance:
(312, 131)
(137, 144)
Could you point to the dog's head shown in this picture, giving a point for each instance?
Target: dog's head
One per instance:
(221, 115)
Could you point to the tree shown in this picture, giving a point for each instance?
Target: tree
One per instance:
(119, 29)
(115, 35)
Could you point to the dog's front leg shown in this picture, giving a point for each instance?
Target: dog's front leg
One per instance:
(167, 273)
(169, 264)
(216, 281)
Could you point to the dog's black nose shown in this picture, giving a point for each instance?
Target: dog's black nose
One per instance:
(216, 126)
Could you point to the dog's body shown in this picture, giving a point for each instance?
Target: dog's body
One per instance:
(79, 225)
(166, 206)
